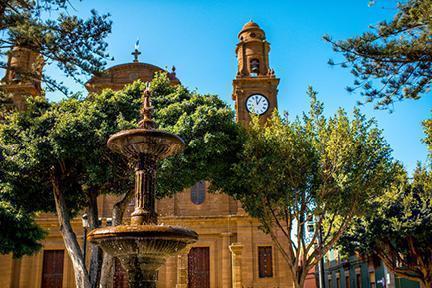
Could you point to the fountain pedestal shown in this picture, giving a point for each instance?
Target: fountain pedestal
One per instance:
(143, 246)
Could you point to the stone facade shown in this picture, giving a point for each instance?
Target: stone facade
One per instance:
(223, 226)
(231, 235)
(228, 236)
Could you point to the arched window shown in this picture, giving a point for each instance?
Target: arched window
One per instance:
(198, 192)
(254, 67)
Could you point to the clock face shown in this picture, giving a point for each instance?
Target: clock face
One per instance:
(257, 103)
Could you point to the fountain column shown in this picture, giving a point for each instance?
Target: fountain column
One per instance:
(145, 181)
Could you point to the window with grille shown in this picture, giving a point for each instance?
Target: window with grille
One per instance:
(198, 192)
(265, 262)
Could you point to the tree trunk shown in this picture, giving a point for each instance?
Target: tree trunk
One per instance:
(95, 251)
(298, 283)
(107, 272)
(301, 277)
(296, 273)
(69, 237)
(427, 280)
(2, 11)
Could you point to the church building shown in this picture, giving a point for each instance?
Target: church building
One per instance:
(231, 251)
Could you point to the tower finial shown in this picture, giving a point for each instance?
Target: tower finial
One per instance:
(146, 110)
(136, 52)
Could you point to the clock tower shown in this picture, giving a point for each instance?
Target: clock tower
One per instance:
(255, 86)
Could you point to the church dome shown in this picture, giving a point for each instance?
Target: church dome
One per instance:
(118, 76)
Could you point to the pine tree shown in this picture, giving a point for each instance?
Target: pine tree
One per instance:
(75, 45)
(393, 61)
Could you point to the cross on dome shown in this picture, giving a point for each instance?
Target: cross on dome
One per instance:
(136, 52)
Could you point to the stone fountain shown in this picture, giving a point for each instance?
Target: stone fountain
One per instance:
(143, 246)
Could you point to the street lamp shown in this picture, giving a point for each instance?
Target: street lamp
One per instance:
(321, 267)
(85, 225)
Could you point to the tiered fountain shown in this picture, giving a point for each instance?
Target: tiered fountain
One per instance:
(143, 246)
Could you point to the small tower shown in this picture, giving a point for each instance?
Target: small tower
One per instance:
(23, 75)
(255, 86)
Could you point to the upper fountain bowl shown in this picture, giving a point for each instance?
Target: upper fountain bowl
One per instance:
(140, 141)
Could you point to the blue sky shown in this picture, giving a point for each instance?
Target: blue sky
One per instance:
(199, 38)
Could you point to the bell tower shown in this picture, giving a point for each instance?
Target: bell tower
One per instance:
(255, 86)
(23, 75)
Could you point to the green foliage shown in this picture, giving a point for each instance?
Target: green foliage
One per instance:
(399, 229)
(427, 127)
(19, 232)
(393, 61)
(71, 135)
(288, 171)
(334, 162)
(75, 45)
(207, 126)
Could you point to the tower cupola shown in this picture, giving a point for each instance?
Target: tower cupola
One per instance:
(252, 51)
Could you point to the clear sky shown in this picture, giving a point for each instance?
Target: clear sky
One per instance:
(199, 38)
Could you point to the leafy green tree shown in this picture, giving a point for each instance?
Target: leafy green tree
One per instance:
(58, 151)
(399, 229)
(393, 61)
(19, 231)
(289, 171)
(75, 45)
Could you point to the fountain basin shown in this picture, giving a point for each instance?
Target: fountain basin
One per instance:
(149, 240)
(142, 249)
(140, 141)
